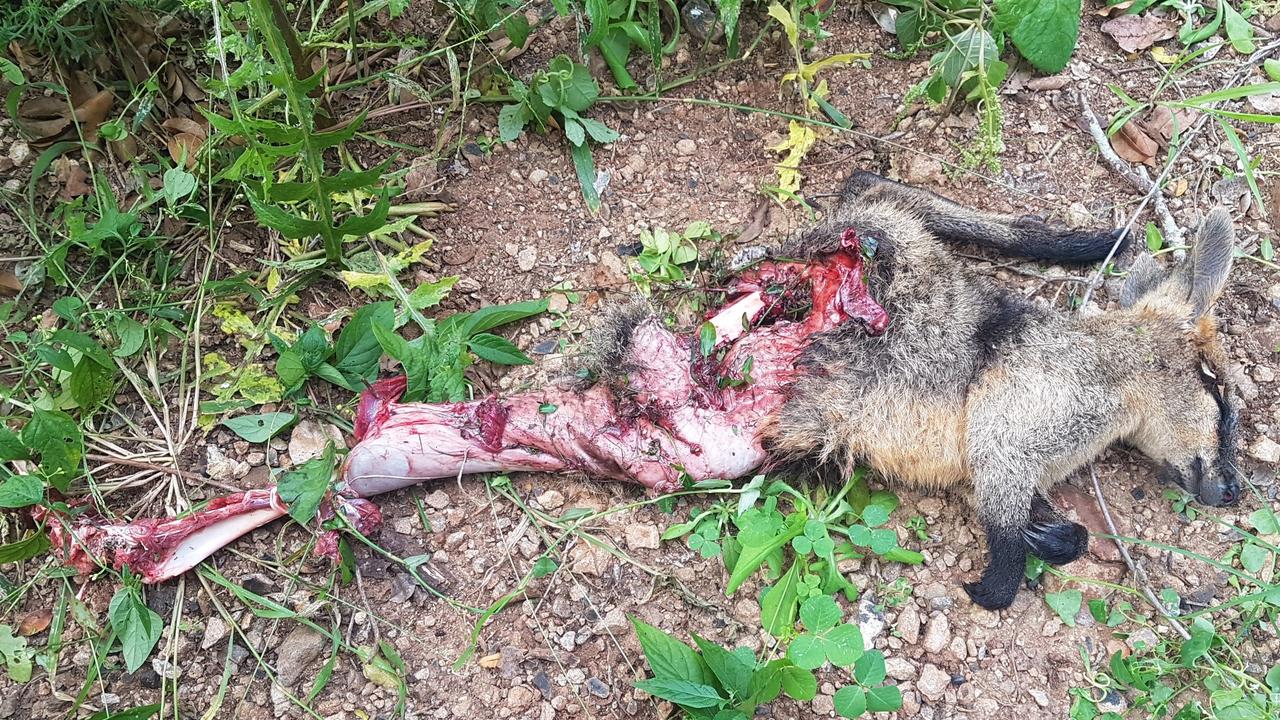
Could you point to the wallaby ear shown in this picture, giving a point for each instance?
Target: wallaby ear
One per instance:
(1211, 260)
(1145, 275)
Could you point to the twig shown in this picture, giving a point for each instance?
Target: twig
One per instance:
(142, 465)
(1138, 178)
(1138, 575)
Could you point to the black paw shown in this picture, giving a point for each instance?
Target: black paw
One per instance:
(990, 596)
(1057, 543)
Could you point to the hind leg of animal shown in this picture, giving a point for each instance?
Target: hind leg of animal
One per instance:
(1051, 537)
(1004, 507)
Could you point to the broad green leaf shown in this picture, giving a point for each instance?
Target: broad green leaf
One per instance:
(875, 515)
(869, 670)
(1202, 634)
(260, 428)
(11, 72)
(1254, 557)
(356, 351)
(798, 682)
(850, 701)
(783, 16)
(15, 654)
(19, 491)
(820, 613)
(488, 318)
(669, 658)
(1155, 240)
(754, 554)
(497, 350)
(734, 675)
(178, 185)
(304, 487)
(1044, 31)
(884, 699)
(598, 131)
(584, 166)
(1272, 68)
(28, 547)
(1264, 521)
(682, 692)
(1239, 31)
(90, 385)
(778, 607)
(137, 626)
(11, 447)
(131, 335)
(290, 369)
(543, 567)
(291, 227)
(1066, 603)
(142, 712)
(962, 52)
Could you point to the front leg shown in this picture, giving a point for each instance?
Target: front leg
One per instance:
(1003, 491)
(1006, 564)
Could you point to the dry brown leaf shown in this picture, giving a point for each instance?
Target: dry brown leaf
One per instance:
(9, 282)
(421, 180)
(490, 661)
(93, 112)
(34, 622)
(183, 148)
(1179, 187)
(185, 125)
(759, 221)
(1138, 32)
(1109, 10)
(1161, 123)
(1274, 205)
(125, 148)
(72, 177)
(44, 118)
(1134, 145)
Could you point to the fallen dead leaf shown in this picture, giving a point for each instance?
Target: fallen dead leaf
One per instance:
(1082, 504)
(181, 125)
(1109, 10)
(1053, 82)
(1268, 103)
(420, 181)
(1134, 33)
(183, 148)
(1179, 187)
(47, 118)
(71, 175)
(490, 661)
(1134, 145)
(1161, 123)
(759, 221)
(93, 112)
(34, 622)
(9, 282)
(1274, 205)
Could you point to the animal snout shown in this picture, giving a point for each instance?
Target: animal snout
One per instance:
(1220, 494)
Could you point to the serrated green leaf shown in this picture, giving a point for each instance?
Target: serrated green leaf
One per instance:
(291, 227)
(57, 440)
(1044, 31)
(20, 491)
(733, 674)
(429, 294)
(669, 658)
(511, 121)
(368, 223)
(682, 692)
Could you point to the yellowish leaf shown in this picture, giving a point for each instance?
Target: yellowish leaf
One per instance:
(1163, 56)
(380, 676)
(273, 279)
(810, 70)
(783, 16)
(800, 139)
(234, 322)
(214, 365)
(363, 281)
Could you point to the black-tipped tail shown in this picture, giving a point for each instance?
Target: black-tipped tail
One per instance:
(1039, 241)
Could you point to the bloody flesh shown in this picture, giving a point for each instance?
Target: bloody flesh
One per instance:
(684, 415)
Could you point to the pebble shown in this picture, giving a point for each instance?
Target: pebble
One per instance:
(222, 468)
(933, 682)
(870, 620)
(455, 540)
(1264, 374)
(1040, 696)
(309, 439)
(1144, 637)
(686, 147)
(937, 634)
(929, 507)
(521, 697)
(1266, 450)
(19, 152)
(597, 687)
(295, 653)
(568, 640)
(543, 684)
(1112, 703)
(538, 176)
(1078, 216)
(526, 258)
(551, 499)
(908, 625)
(575, 676)
(215, 629)
(899, 669)
(438, 500)
(642, 536)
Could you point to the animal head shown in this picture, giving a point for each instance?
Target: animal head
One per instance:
(1190, 427)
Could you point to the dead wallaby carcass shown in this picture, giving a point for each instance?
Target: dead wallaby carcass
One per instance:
(974, 384)
(908, 363)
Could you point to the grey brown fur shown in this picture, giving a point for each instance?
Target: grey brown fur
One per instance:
(973, 384)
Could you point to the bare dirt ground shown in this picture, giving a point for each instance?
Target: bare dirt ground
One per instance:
(565, 649)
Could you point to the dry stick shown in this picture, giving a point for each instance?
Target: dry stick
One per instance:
(1138, 178)
(185, 474)
(1139, 575)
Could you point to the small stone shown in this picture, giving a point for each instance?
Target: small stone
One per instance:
(438, 500)
(870, 620)
(164, 668)
(933, 682)
(521, 697)
(1266, 450)
(575, 676)
(937, 634)
(1078, 216)
(908, 625)
(1113, 703)
(455, 540)
(527, 258)
(899, 669)
(1143, 638)
(542, 683)
(301, 646)
(929, 507)
(569, 640)
(403, 525)
(551, 499)
(309, 439)
(1264, 374)
(920, 169)
(220, 467)
(19, 152)
(538, 176)
(215, 629)
(589, 560)
(1040, 696)
(686, 147)
(1241, 381)
(596, 687)
(642, 536)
